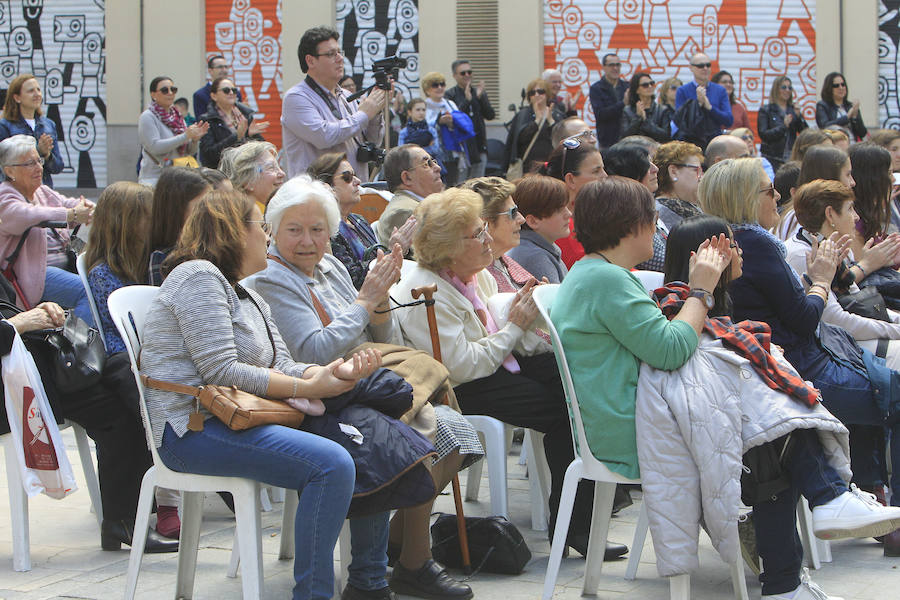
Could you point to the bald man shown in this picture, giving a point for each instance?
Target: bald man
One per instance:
(567, 128)
(725, 146)
(712, 100)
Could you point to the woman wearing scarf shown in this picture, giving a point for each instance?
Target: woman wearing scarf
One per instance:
(163, 133)
(230, 123)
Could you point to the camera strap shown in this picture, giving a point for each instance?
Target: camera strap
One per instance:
(334, 108)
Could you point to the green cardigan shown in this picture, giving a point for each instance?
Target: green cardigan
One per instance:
(608, 324)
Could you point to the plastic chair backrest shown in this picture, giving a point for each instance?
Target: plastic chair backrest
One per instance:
(128, 308)
(650, 279)
(81, 267)
(543, 297)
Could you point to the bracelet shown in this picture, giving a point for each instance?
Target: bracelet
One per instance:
(819, 285)
(294, 390)
(856, 264)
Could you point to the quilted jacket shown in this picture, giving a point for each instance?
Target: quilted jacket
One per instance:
(693, 426)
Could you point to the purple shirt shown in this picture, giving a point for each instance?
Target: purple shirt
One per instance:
(310, 129)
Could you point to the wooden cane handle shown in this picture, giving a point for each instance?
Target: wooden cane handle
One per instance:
(426, 290)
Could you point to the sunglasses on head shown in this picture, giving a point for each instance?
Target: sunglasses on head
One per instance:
(438, 84)
(570, 143)
(228, 90)
(705, 65)
(168, 90)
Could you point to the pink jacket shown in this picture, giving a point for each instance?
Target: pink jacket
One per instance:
(16, 215)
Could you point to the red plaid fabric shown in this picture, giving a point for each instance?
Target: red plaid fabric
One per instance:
(750, 339)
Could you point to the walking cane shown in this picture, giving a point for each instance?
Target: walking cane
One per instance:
(428, 291)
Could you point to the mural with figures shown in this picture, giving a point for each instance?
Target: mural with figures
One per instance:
(755, 40)
(888, 42)
(373, 29)
(62, 42)
(248, 34)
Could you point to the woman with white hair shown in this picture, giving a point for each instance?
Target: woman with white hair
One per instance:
(25, 202)
(321, 314)
(253, 168)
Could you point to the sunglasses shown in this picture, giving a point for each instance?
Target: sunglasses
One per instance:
(787, 87)
(573, 142)
(347, 176)
(511, 213)
(839, 85)
(705, 65)
(168, 90)
(228, 90)
(648, 84)
(537, 91)
(438, 84)
(617, 65)
(464, 73)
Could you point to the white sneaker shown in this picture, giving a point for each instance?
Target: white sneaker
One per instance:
(854, 514)
(807, 590)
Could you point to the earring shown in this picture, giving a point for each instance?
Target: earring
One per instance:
(11, 178)
(674, 179)
(832, 226)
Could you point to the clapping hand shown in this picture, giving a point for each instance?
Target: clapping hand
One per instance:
(45, 145)
(523, 310)
(707, 263)
(404, 234)
(197, 130)
(824, 258)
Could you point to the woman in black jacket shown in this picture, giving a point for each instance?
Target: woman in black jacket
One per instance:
(643, 116)
(230, 123)
(835, 109)
(778, 123)
(105, 410)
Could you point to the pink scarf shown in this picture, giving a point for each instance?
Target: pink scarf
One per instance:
(172, 119)
(468, 290)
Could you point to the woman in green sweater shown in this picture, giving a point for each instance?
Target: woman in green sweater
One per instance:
(607, 322)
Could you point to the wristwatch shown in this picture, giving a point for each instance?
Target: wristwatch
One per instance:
(705, 297)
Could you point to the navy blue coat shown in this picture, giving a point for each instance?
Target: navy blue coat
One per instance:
(608, 104)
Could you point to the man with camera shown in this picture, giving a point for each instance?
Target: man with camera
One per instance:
(317, 118)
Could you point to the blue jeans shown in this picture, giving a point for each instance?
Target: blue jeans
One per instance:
(849, 397)
(775, 521)
(66, 289)
(368, 548)
(319, 469)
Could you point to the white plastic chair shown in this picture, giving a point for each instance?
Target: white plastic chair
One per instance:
(81, 267)
(585, 466)
(130, 304)
(18, 499)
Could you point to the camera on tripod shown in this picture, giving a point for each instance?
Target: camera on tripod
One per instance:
(385, 69)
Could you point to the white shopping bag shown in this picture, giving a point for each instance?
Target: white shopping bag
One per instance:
(43, 464)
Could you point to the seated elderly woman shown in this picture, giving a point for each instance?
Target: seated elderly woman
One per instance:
(25, 202)
(355, 243)
(776, 414)
(680, 167)
(855, 385)
(544, 203)
(205, 328)
(253, 169)
(323, 317)
(489, 369)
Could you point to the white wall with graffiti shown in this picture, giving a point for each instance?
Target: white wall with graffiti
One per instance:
(62, 43)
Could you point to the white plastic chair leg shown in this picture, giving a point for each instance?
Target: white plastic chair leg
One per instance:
(345, 557)
(810, 547)
(264, 502)
(680, 587)
(473, 477)
(192, 517)
(234, 563)
(18, 509)
(277, 494)
(604, 496)
(738, 581)
(637, 545)
(247, 513)
(139, 538)
(538, 479)
(560, 533)
(87, 465)
(291, 500)
(493, 433)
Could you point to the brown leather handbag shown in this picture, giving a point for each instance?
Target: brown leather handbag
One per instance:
(236, 408)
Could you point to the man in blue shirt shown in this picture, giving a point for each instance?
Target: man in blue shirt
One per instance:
(712, 100)
(608, 98)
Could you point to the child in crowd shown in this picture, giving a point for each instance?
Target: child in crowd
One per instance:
(182, 106)
(418, 131)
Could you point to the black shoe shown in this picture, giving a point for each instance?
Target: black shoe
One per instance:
(622, 499)
(115, 533)
(430, 581)
(579, 542)
(353, 593)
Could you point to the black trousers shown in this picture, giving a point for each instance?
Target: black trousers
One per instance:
(534, 398)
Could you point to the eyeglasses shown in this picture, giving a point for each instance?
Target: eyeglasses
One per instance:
(438, 84)
(429, 163)
(228, 90)
(347, 176)
(332, 54)
(464, 73)
(839, 85)
(266, 227)
(787, 87)
(617, 65)
(647, 84)
(726, 82)
(34, 162)
(168, 90)
(697, 168)
(480, 236)
(511, 213)
(537, 91)
(269, 167)
(220, 67)
(705, 65)
(769, 191)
